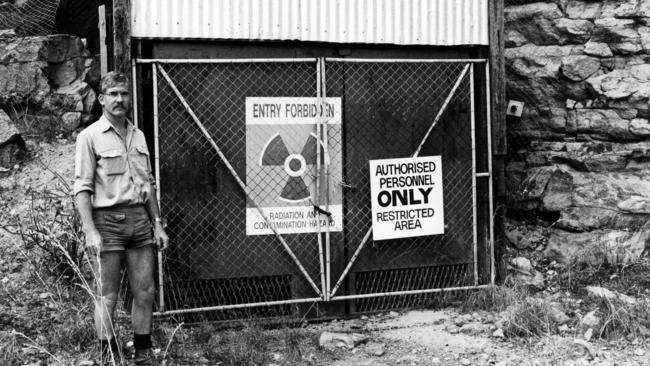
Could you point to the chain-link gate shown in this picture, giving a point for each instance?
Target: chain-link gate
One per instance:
(207, 188)
(395, 109)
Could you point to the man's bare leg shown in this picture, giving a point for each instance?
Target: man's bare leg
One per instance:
(108, 284)
(139, 264)
(139, 267)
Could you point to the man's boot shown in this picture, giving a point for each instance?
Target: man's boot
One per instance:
(144, 357)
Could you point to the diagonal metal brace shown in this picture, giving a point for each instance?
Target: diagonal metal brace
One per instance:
(236, 176)
(416, 153)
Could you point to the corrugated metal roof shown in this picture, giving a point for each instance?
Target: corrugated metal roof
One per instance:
(404, 22)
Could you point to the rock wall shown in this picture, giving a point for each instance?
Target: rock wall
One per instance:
(45, 90)
(579, 156)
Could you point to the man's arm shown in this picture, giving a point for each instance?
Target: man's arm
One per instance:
(84, 167)
(93, 238)
(159, 235)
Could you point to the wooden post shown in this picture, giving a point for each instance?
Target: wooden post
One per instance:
(103, 50)
(498, 116)
(122, 36)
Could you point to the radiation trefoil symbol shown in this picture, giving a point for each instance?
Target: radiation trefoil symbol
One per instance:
(276, 153)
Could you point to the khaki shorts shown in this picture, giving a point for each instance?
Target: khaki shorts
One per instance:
(123, 228)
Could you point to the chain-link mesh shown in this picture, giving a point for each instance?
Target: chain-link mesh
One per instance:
(212, 261)
(32, 18)
(388, 109)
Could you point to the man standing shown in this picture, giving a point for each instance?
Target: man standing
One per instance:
(116, 199)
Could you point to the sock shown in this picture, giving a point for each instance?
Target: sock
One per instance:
(142, 341)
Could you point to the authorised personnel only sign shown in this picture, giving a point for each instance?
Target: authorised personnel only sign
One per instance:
(407, 197)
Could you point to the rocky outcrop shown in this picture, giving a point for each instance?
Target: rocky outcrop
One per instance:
(12, 145)
(45, 83)
(578, 171)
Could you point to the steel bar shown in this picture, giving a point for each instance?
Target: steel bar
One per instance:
(405, 60)
(239, 306)
(327, 185)
(491, 181)
(474, 200)
(319, 121)
(156, 144)
(410, 292)
(222, 60)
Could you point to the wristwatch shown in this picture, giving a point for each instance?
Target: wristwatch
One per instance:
(157, 219)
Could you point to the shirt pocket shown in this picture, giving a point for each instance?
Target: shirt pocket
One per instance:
(140, 159)
(113, 162)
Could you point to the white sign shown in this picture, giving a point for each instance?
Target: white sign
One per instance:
(281, 161)
(406, 197)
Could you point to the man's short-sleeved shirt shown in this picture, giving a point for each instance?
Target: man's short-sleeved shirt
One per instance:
(115, 169)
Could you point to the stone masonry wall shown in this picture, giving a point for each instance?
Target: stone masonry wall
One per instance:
(579, 157)
(45, 90)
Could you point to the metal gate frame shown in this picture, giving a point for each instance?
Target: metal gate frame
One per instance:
(470, 67)
(326, 292)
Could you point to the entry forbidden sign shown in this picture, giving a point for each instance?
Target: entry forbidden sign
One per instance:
(281, 161)
(406, 197)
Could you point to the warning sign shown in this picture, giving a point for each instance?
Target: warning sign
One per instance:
(282, 151)
(406, 197)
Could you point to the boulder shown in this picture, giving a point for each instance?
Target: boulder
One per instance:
(534, 75)
(514, 39)
(621, 35)
(521, 264)
(640, 127)
(573, 31)
(66, 72)
(579, 67)
(557, 313)
(78, 97)
(63, 47)
(591, 156)
(12, 145)
(7, 128)
(596, 247)
(348, 340)
(632, 83)
(22, 82)
(608, 189)
(603, 293)
(523, 236)
(599, 49)
(583, 9)
(530, 11)
(543, 24)
(626, 9)
(558, 192)
(23, 49)
(601, 124)
(527, 194)
(70, 121)
(590, 321)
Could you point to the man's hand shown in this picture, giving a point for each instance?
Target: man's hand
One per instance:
(160, 237)
(93, 241)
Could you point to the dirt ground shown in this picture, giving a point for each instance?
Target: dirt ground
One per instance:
(432, 337)
(45, 322)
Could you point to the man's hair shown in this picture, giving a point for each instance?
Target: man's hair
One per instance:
(111, 79)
